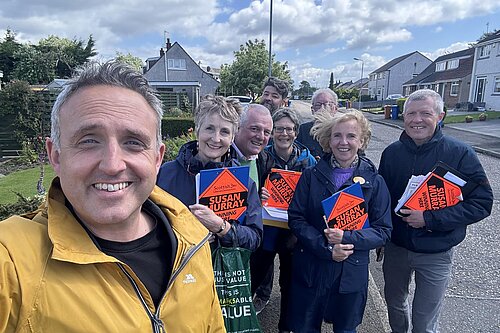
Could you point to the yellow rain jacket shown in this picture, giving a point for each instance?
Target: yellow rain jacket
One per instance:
(54, 279)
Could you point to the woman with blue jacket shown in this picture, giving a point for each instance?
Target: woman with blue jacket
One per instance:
(216, 122)
(330, 266)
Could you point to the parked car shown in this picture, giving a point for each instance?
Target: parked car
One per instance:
(394, 96)
(244, 100)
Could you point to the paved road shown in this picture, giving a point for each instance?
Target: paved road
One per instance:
(472, 301)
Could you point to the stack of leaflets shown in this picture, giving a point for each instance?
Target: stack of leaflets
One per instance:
(224, 191)
(438, 189)
(281, 185)
(346, 209)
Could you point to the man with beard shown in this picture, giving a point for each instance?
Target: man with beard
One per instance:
(274, 94)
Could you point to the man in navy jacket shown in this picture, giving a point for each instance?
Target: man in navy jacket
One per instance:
(323, 99)
(423, 241)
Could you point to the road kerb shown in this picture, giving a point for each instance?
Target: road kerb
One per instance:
(380, 306)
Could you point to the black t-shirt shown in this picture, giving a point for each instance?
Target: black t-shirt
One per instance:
(151, 257)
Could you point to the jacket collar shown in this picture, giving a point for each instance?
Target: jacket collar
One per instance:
(72, 243)
(410, 144)
(187, 158)
(365, 169)
(70, 240)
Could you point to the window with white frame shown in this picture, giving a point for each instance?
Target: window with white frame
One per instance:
(454, 89)
(440, 66)
(484, 51)
(451, 64)
(177, 64)
(496, 87)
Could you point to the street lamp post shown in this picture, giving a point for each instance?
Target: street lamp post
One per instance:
(270, 71)
(361, 81)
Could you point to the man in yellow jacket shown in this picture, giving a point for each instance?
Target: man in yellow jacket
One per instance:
(107, 251)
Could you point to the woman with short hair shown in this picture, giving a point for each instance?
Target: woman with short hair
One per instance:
(216, 122)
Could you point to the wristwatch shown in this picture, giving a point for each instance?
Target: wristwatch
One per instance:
(222, 227)
(330, 247)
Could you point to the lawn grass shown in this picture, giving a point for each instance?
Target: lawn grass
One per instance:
(23, 182)
(450, 118)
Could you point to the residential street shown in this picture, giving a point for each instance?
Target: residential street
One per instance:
(472, 300)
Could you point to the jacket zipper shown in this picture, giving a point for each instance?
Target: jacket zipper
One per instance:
(158, 325)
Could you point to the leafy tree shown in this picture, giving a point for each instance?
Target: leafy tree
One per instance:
(248, 72)
(14, 98)
(133, 61)
(305, 89)
(66, 54)
(31, 124)
(350, 94)
(53, 57)
(33, 66)
(29, 108)
(8, 49)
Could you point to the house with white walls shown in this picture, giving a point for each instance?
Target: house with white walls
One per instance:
(485, 85)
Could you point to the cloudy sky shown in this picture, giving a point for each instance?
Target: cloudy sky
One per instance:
(315, 37)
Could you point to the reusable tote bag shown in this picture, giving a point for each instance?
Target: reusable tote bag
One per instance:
(232, 281)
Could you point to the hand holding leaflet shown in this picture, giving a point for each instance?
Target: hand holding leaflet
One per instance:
(440, 188)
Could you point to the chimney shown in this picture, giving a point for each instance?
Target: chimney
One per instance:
(168, 45)
(162, 53)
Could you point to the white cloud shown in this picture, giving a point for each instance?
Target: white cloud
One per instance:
(342, 70)
(446, 50)
(331, 50)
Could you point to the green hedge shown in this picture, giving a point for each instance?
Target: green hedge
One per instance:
(400, 102)
(174, 127)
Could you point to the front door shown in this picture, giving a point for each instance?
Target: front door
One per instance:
(480, 84)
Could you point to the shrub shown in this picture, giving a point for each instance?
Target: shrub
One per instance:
(23, 205)
(173, 127)
(400, 102)
(185, 105)
(175, 112)
(172, 145)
